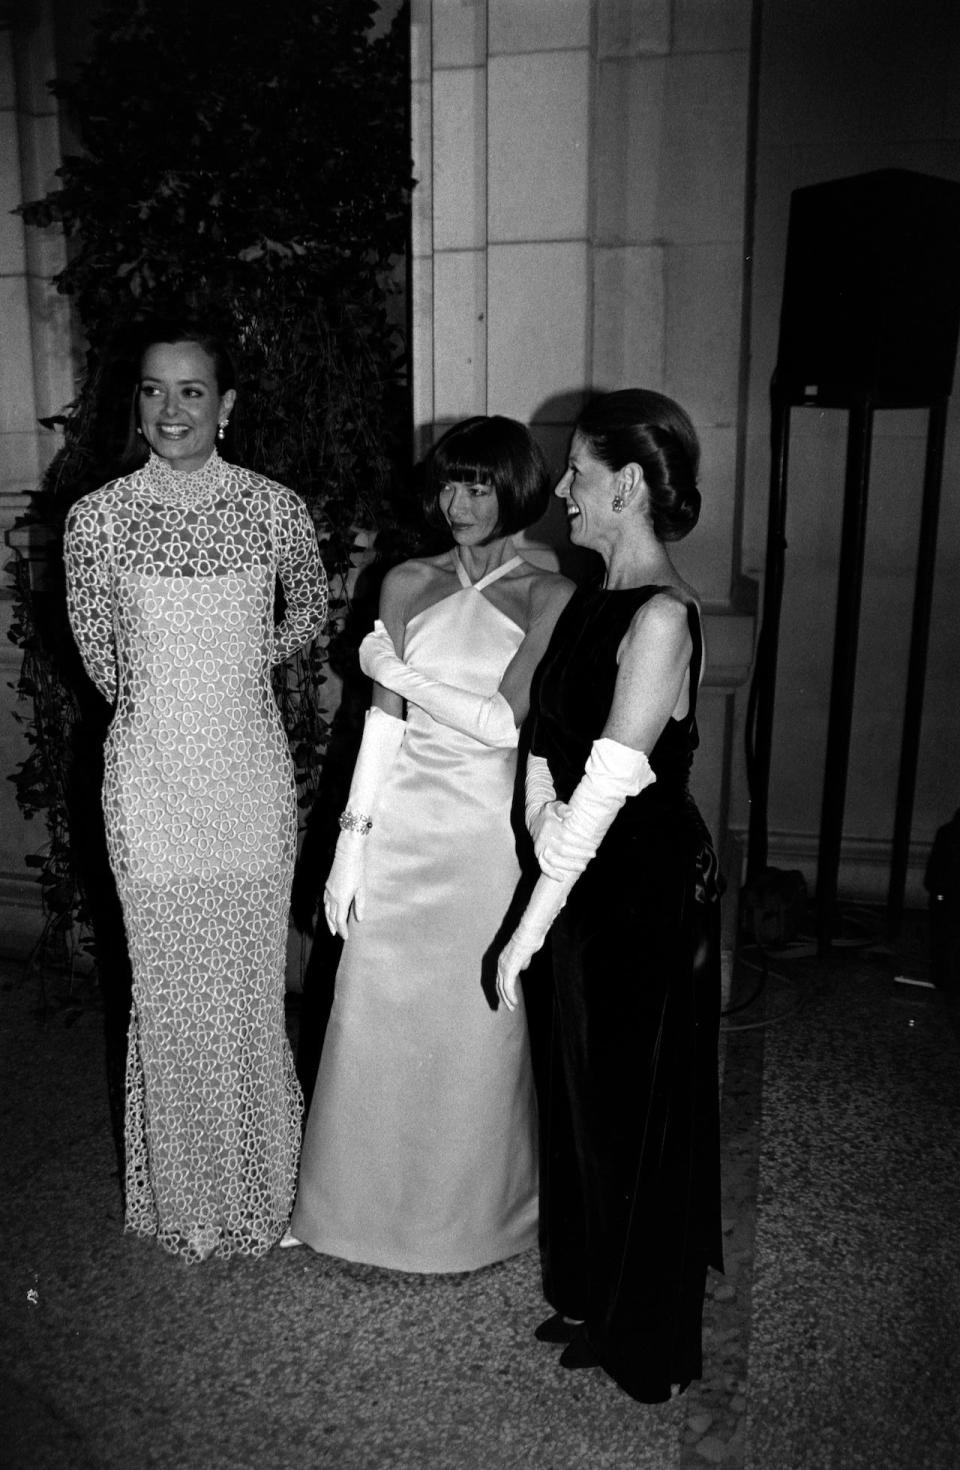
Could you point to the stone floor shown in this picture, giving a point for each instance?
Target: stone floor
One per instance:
(831, 1343)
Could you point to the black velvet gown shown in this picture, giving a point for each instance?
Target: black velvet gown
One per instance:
(630, 1177)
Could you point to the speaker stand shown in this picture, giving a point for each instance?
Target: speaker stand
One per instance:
(861, 409)
(917, 666)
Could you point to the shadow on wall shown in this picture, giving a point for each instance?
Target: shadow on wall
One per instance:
(547, 541)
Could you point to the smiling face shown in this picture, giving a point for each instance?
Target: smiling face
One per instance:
(179, 405)
(472, 511)
(588, 489)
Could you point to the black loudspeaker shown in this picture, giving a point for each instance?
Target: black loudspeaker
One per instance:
(871, 295)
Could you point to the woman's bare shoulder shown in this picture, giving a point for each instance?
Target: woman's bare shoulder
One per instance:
(673, 601)
(418, 572)
(413, 584)
(664, 617)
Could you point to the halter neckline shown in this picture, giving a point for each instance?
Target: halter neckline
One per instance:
(499, 571)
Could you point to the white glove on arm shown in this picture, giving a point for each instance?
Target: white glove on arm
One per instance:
(612, 773)
(488, 718)
(382, 738)
(546, 901)
(542, 811)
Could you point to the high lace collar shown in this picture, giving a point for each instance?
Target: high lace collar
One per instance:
(179, 487)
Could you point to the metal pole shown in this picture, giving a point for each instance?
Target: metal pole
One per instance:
(766, 656)
(917, 667)
(850, 581)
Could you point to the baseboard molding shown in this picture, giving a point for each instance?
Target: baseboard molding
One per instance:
(864, 873)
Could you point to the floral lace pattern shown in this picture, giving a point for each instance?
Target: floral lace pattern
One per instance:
(170, 592)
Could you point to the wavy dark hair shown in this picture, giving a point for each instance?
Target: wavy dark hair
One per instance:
(493, 451)
(166, 331)
(638, 426)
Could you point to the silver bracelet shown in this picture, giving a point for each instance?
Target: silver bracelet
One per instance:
(355, 822)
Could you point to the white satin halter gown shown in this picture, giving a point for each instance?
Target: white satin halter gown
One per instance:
(420, 1148)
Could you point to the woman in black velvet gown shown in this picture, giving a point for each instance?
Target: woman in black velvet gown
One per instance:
(630, 1191)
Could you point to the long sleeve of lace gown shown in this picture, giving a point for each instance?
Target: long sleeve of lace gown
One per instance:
(86, 551)
(301, 575)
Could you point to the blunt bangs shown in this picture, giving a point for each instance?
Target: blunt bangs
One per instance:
(494, 451)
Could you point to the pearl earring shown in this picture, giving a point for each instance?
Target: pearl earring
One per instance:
(222, 429)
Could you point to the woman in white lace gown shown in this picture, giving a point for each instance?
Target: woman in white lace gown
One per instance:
(420, 1148)
(171, 576)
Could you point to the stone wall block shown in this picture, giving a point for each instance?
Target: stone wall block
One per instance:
(703, 161)
(459, 338)
(630, 126)
(538, 25)
(538, 113)
(459, 159)
(421, 139)
(537, 345)
(629, 317)
(704, 300)
(421, 341)
(459, 33)
(705, 25)
(421, 40)
(633, 27)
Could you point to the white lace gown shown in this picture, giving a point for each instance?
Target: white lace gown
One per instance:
(170, 591)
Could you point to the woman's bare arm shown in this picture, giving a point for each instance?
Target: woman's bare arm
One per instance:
(654, 666)
(394, 597)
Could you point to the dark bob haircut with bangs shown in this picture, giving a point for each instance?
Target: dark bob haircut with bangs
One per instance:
(493, 451)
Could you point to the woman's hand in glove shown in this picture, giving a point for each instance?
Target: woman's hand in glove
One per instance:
(344, 886)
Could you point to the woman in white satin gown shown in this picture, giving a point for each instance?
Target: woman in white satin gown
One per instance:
(420, 1149)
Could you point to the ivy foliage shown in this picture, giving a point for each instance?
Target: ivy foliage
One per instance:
(248, 165)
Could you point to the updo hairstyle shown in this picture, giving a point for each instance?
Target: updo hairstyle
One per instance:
(493, 451)
(636, 426)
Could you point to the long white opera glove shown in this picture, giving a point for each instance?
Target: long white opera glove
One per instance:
(546, 901)
(612, 773)
(539, 792)
(382, 738)
(542, 811)
(488, 718)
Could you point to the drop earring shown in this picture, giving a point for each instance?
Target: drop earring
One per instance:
(617, 504)
(222, 429)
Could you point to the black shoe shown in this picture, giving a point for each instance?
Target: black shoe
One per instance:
(557, 1328)
(579, 1354)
